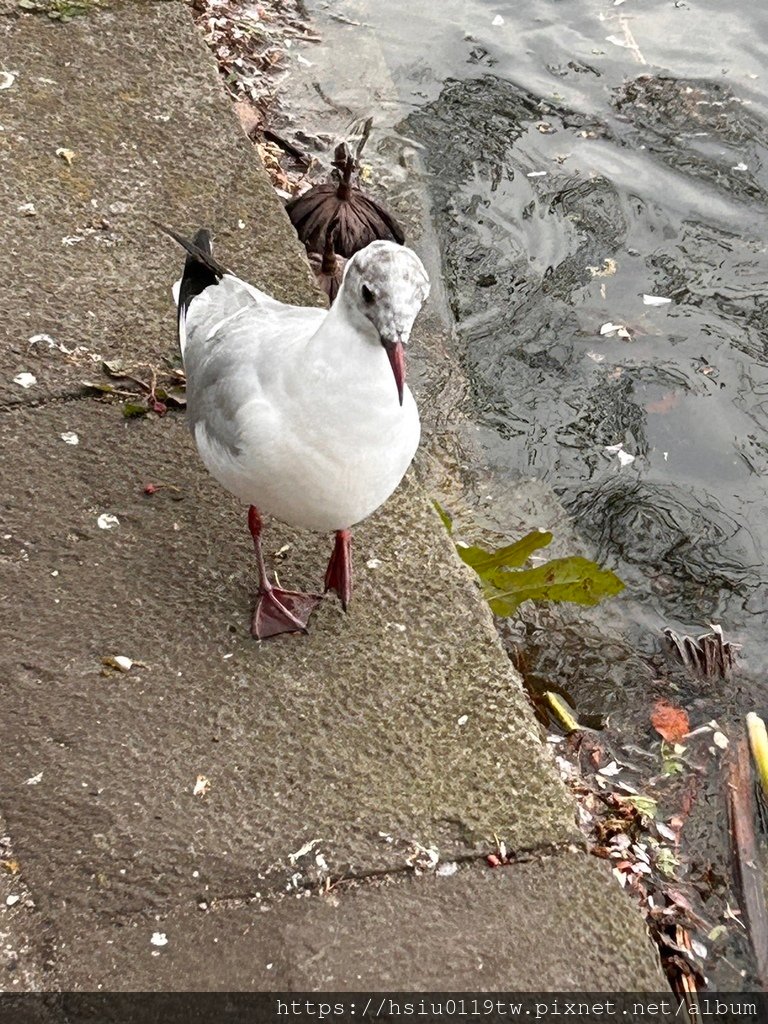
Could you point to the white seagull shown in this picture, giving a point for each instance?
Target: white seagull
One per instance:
(294, 409)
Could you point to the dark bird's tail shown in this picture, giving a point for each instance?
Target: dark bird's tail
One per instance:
(200, 271)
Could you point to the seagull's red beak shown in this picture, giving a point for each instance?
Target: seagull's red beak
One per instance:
(396, 356)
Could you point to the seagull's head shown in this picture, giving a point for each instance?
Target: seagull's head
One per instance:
(386, 284)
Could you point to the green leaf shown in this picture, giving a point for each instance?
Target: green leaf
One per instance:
(573, 579)
(513, 555)
(447, 521)
(666, 862)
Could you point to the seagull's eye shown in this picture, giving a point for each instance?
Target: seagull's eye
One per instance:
(368, 296)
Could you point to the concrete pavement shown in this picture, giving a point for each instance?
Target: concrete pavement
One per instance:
(343, 759)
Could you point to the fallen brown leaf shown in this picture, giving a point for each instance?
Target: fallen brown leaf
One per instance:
(670, 723)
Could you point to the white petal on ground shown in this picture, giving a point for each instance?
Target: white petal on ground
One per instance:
(37, 339)
(448, 868)
(7, 78)
(25, 380)
(740, 167)
(69, 437)
(33, 781)
(655, 300)
(625, 458)
(498, 20)
(303, 850)
(106, 521)
(159, 939)
(202, 785)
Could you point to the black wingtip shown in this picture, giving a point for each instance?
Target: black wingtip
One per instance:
(201, 270)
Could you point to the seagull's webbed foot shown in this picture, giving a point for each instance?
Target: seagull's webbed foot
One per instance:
(277, 610)
(338, 575)
(282, 611)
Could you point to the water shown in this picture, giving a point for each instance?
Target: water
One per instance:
(578, 155)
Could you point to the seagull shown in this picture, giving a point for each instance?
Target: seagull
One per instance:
(300, 412)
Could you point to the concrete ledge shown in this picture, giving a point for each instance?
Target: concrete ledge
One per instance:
(512, 929)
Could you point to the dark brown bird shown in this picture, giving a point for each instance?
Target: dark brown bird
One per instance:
(360, 219)
(328, 266)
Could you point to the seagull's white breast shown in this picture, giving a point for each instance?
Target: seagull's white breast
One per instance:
(292, 411)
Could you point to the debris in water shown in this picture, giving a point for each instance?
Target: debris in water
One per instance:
(607, 269)
(609, 329)
(560, 712)
(758, 741)
(670, 722)
(708, 655)
(625, 458)
(746, 855)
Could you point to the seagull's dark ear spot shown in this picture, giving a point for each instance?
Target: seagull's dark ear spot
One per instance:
(368, 295)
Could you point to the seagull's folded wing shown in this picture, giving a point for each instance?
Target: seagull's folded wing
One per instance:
(238, 345)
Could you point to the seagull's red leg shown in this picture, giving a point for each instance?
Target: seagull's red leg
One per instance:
(338, 575)
(277, 611)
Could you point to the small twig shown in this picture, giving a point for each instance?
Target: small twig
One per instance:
(283, 143)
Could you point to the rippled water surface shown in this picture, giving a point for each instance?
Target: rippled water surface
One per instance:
(570, 176)
(577, 156)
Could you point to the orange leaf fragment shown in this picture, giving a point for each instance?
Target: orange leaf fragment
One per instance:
(670, 722)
